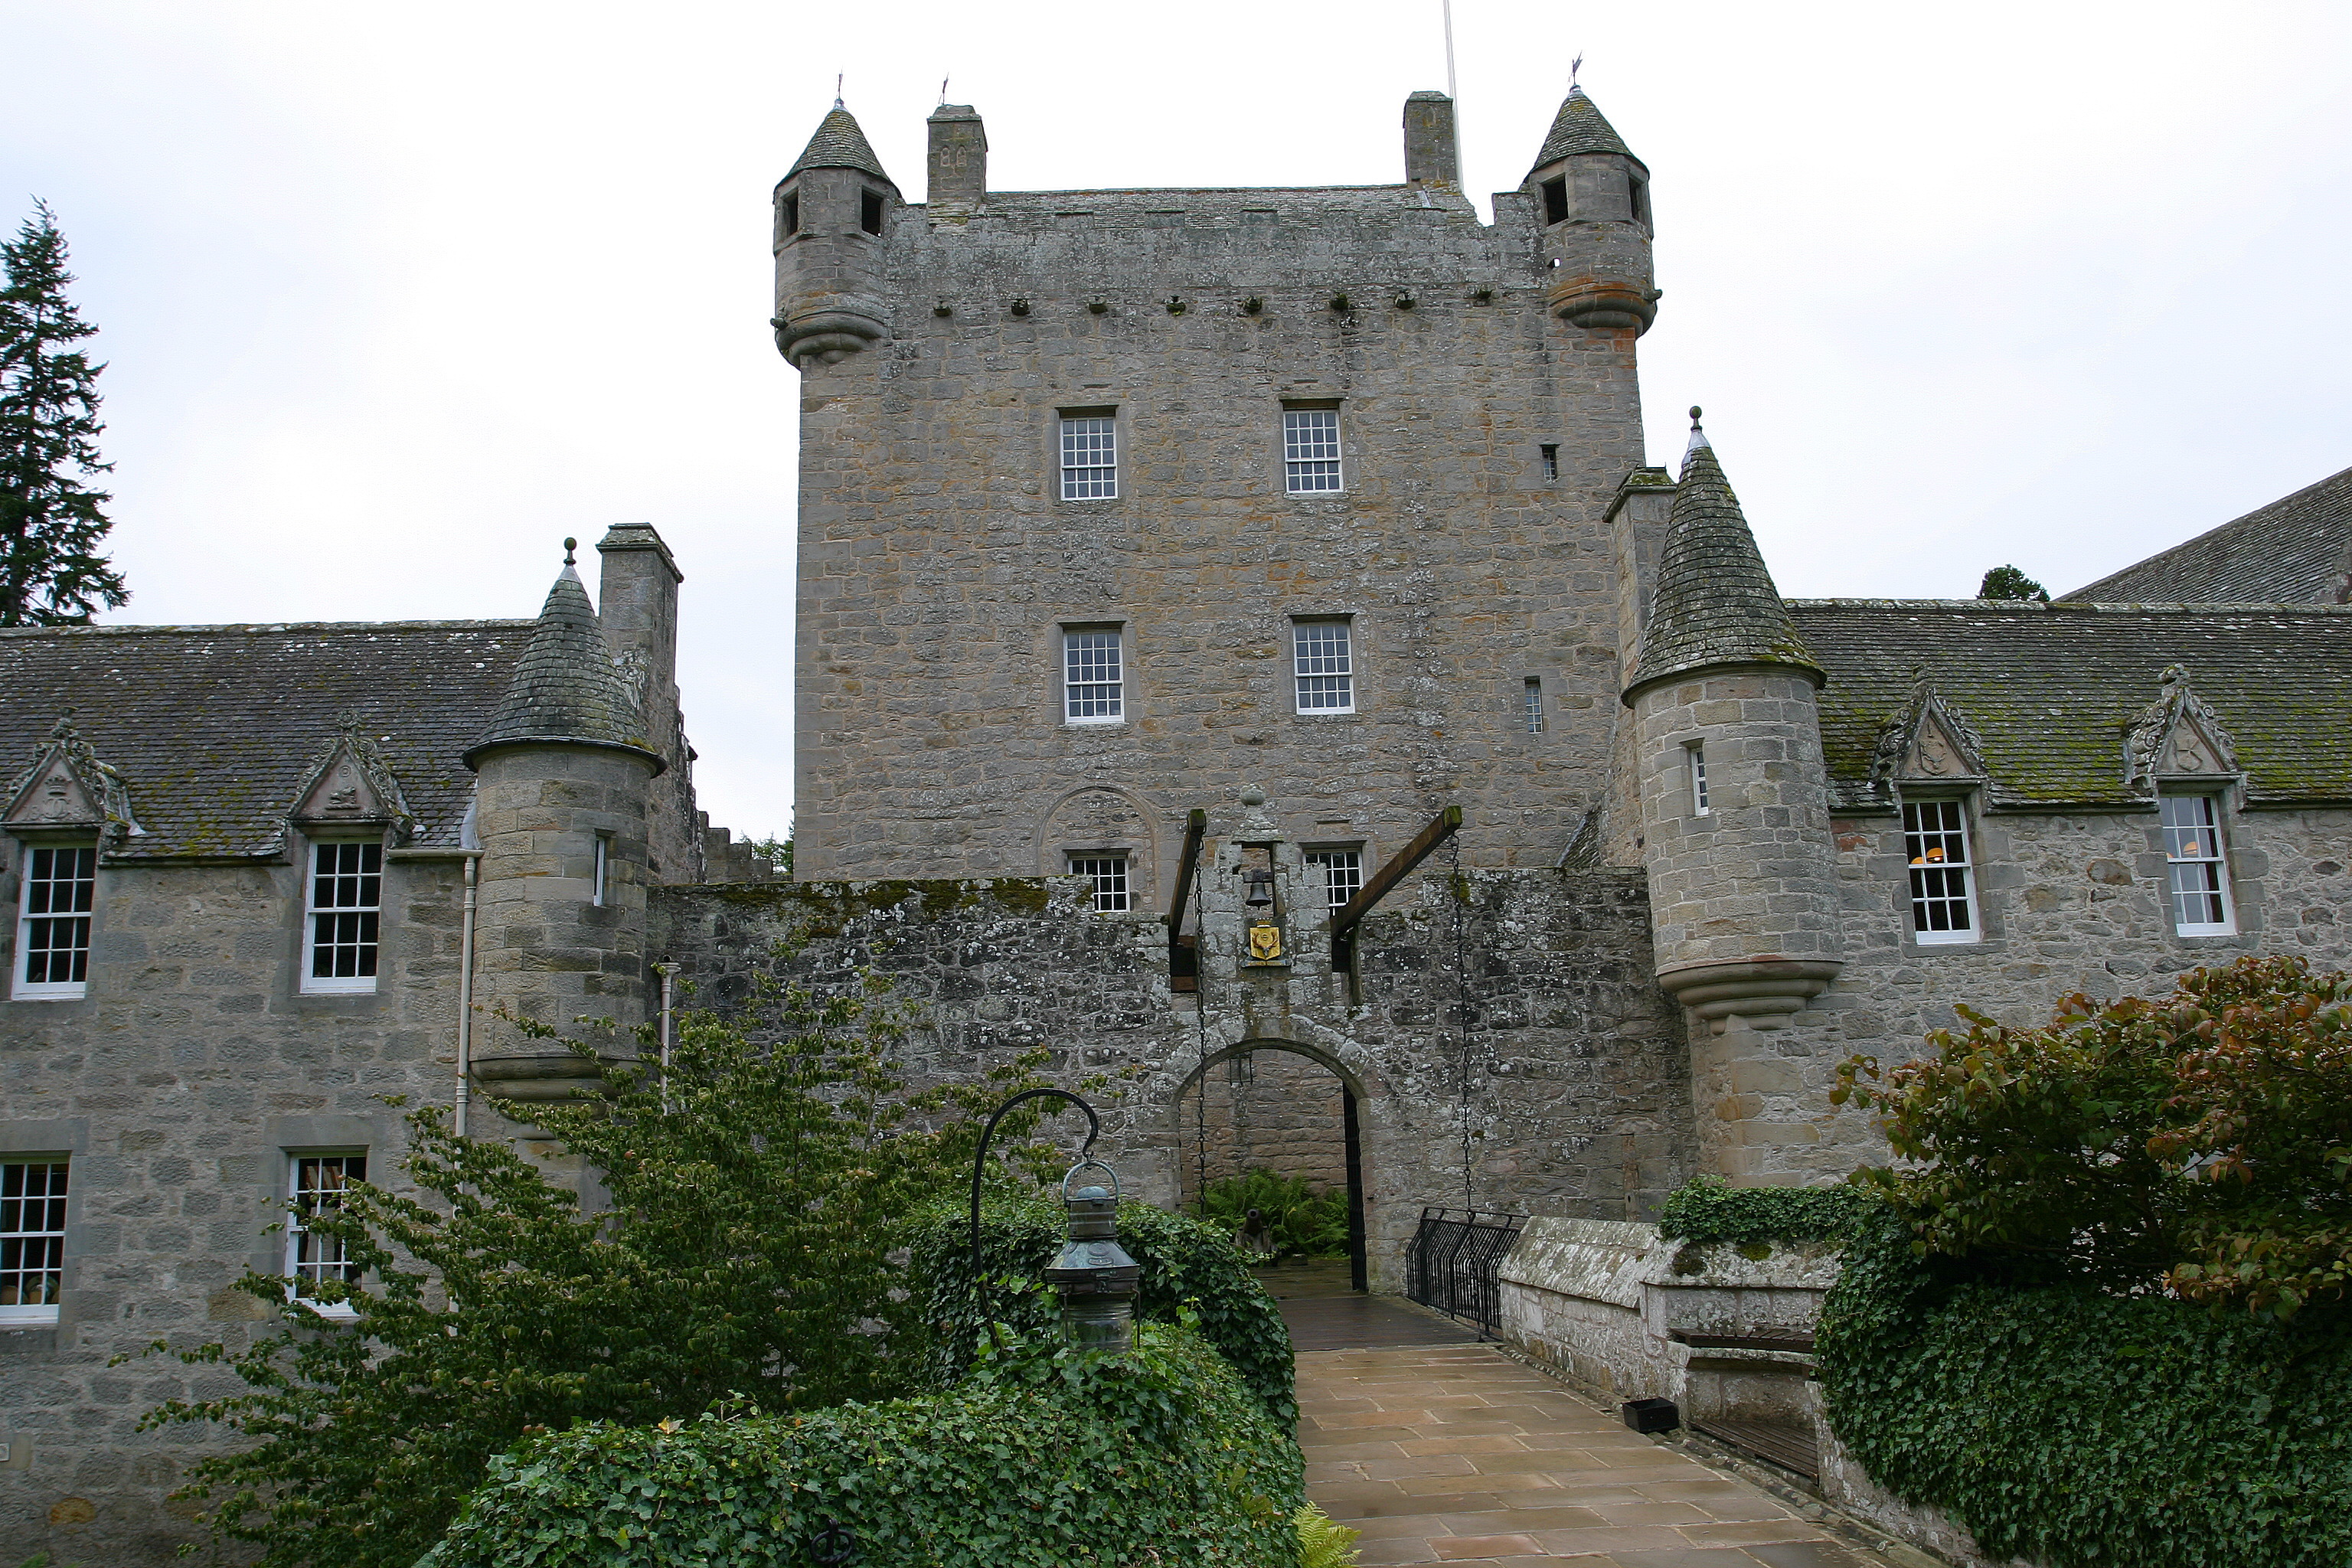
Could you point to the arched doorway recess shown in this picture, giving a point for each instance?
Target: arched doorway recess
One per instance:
(1281, 1104)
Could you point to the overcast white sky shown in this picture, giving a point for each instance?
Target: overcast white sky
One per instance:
(395, 297)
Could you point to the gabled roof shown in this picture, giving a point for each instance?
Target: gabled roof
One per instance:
(567, 686)
(2055, 691)
(2291, 551)
(1580, 128)
(840, 143)
(1714, 603)
(215, 729)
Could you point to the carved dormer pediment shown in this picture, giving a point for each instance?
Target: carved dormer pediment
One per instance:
(352, 786)
(2179, 736)
(1926, 742)
(68, 788)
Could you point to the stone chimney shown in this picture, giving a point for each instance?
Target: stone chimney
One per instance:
(959, 163)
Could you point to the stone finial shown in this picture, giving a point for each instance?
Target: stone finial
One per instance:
(1255, 823)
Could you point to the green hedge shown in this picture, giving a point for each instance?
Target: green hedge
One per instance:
(2085, 1430)
(1188, 1267)
(1045, 1458)
(1709, 1210)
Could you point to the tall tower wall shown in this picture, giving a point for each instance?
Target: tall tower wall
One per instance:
(940, 564)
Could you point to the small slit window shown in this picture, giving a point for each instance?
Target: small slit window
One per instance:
(1637, 197)
(869, 211)
(601, 872)
(1554, 201)
(32, 1241)
(1936, 842)
(1108, 875)
(790, 215)
(1694, 763)
(1550, 460)
(1533, 689)
(2197, 866)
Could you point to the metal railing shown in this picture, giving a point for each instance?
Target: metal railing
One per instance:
(1454, 1260)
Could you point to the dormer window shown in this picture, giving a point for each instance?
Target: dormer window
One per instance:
(1555, 200)
(1943, 878)
(53, 916)
(2197, 866)
(346, 908)
(869, 211)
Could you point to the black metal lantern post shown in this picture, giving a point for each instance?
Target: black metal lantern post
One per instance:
(1094, 1273)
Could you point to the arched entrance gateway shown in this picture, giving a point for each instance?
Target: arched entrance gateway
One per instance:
(1283, 1107)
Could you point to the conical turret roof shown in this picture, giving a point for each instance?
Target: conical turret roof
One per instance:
(1715, 603)
(1580, 128)
(567, 688)
(840, 144)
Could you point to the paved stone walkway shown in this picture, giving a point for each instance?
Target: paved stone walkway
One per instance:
(1460, 1454)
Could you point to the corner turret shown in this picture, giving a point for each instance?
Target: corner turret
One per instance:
(831, 212)
(1734, 808)
(561, 805)
(1591, 198)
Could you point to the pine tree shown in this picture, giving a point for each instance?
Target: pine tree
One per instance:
(2008, 583)
(51, 523)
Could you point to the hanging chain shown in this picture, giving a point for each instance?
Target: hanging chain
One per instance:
(1200, 1024)
(1459, 891)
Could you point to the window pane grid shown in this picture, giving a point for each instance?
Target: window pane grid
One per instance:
(32, 1234)
(346, 899)
(320, 1183)
(1089, 460)
(1093, 687)
(2193, 846)
(1936, 842)
(1535, 706)
(1696, 751)
(1109, 874)
(60, 888)
(1311, 450)
(1343, 873)
(1326, 666)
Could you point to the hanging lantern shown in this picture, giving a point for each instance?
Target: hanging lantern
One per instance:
(1094, 1273)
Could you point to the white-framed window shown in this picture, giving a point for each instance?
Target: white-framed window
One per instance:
(2198, 865)
(53, 916)
(1090, 458)
(1109, 874)
(1943, 878)
(1533, 689)
(1094, 682)
(600, 873)
(1323, 656)
(32, 1240)
(1343, 873)
(1311, 450)
(1694, 764)
(316, 1184)
(346, 908)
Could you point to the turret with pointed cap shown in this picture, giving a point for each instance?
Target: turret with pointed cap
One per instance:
(1715, 603)
(833, 210)
(1591, 197)
(1727, 750)
(563, 799)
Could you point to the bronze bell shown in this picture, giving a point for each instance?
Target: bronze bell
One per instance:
(1096, 1277)
(1260, 894)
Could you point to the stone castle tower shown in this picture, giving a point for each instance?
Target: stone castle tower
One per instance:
(1115, 502)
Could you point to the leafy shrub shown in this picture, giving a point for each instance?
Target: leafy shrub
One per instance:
(1302, 1219)
(1709, 1210)
(2086, 1430)
(1045, 1457)
(1187, 1266)
(2204, 1141)
(757, 1191)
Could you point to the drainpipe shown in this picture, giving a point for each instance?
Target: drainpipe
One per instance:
(666, 971)
(465, 986)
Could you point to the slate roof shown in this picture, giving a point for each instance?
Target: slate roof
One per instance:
(567, 686)
(840, 143)
(215, 728)
(1580, 128)
(1714, 601)
(2052, 689)
(2290, 551)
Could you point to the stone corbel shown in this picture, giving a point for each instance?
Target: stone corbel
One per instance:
(1764, 991)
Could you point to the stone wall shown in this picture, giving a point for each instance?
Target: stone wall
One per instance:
(938, 562)
(1574, 1097)
(178, 1089)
